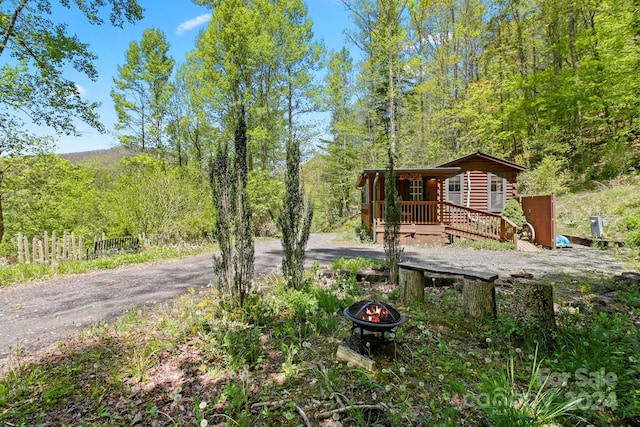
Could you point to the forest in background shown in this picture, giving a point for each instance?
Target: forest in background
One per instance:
(551, 85)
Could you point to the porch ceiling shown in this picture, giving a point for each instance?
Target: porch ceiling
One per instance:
(443, 172)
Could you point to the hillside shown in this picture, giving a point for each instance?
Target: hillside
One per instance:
(101, 158)
(618, 203)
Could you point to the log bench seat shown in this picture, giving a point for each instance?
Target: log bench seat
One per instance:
(478, 292)
(449, 271)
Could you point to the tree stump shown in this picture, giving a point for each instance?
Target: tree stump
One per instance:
(479, 300)
(412, 284)
(534, 303)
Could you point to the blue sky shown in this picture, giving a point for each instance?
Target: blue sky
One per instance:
(180, 20)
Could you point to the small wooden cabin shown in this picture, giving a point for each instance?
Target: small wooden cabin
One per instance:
(460, 198)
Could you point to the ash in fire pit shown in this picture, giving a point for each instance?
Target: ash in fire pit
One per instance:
(373, 316)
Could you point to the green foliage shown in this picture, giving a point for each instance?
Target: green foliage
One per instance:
(166, 203)
(265, 195)
(49, 193)
(392, 215)
(631, 224)
(513, 211)
(615, 202)
(355, 264)
(241, 345)
(142, 91)
(549, 177)
(534, 405)
(234, 265)
(42, 52)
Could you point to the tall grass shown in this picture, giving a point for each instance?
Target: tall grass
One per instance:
(11, 274)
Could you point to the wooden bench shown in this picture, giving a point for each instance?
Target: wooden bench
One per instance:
(114, 246)
(478, 292)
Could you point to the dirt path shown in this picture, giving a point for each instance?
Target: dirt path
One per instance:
(36, 315)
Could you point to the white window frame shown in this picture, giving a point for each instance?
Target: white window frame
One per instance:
(459, 193)
(364, 198)
(496, 199)
(416, 190)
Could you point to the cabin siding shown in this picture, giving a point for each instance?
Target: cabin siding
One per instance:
(475, 171)
(423, 222)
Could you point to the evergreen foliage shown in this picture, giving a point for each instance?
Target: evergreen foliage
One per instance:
(513, 211)
(295, 220)
(392, 217)
(234, 265)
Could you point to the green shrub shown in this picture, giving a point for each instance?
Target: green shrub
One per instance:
(548, 177)
(513, 211)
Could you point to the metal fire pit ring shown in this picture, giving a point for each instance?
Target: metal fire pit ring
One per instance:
(353, 311)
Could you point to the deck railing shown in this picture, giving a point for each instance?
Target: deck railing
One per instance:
(479, 223)
(414, 212)
(461, 219)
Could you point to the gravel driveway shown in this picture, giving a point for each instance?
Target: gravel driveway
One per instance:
(34, 316)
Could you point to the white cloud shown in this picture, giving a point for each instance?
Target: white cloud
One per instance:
(192, 23)
(81, 90)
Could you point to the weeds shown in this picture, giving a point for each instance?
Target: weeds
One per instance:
(11, 274)
(199, 361)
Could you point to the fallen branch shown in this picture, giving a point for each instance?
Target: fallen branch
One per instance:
(328, 414)
(303, 415)
(270, 405)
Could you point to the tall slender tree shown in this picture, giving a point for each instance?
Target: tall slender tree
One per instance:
(343, 151)
(383, 30)
(298, 56)
(142, 91)
(228, 56)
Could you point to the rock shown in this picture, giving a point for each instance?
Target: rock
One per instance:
(601, 288)
(630, 278)
(372, 276)
(603, 304)
(603, 300)
(328, 273)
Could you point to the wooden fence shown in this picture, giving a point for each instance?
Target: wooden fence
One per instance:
(49, 249)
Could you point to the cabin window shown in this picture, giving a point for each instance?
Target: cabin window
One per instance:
(365, 194)
(415, 190)
(497, 191)
(454, 189)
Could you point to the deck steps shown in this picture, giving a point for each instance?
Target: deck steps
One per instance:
(525, 246)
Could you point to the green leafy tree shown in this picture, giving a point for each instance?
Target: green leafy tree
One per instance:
(382, 29)
(38, 53)
(343, 151)
(190, 133)
(265, 195)
(33, 81)
(142, 91)
(166, 203)
(49, 193)
(228, 59)
(298, 55)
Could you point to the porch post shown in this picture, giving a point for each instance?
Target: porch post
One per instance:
(374, 210)
(441, 182)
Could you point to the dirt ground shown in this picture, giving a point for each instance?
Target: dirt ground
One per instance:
(36, 315)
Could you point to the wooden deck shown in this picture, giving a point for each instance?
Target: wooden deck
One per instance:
(435, 223)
